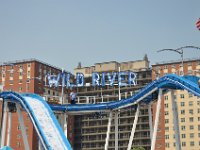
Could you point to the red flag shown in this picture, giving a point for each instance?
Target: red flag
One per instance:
(198, 24)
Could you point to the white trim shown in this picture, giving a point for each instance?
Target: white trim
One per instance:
(23, 129)
(108, 131)
(153, 142)
(134, 127)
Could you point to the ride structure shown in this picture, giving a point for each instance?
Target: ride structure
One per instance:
(50, 133)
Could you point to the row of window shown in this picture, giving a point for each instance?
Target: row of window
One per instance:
(180, 65)
(191, 111)
(183, 136)
(183, 128)
(191, 119)
(183, 144)
(182, 96)
(183, 104)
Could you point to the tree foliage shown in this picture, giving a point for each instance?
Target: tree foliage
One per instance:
(137, 148)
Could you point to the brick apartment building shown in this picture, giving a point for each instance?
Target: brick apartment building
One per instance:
(188, 107)
(29, 76)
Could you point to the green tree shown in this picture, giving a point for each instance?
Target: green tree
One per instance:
(137, 148)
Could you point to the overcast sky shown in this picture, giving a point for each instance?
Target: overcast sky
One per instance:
(63, 32)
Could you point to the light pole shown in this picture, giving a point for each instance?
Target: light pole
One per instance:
(180, 51)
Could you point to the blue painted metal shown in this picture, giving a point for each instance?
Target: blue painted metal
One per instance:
(145, 95)
(21, 99)
(170, 81)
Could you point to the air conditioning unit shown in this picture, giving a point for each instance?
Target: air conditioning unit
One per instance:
(87, 84)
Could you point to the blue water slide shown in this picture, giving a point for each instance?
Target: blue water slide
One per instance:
(43, 119)
(53, 136)
(145, 95)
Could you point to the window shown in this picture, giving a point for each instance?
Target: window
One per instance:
(190, 72)
(182, 128)
(191, 135)
(20, 81)
(18, 144)
(167, 145)
(198, 102)
(182, 103)
(189, 63)
(29, 65)
(165, 67)
(191, 127)
(190, 95)
(29, 73)
(198, 110)
(166, 120)
(18, 127)
(192, 143)
(190, 103)
(191, 119)
(21, 74)
(166, 136)
(27, 87)
(20, 66)
(182, 112)
(166, 128)
(18, 136)
(182, 96)
(174, 144)
(20, 89)
(11, 74)
(166, 105)
(183, 144)
(166, 113)
(182, 119)
(165, 97)
(11, 81)
(183, 136)
(191, 111)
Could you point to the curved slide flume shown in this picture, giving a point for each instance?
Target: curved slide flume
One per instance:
(43, 119)
(48, 127)
(145, 95)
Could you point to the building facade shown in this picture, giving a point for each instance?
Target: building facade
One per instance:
(188, 108)
(29, 76)
(90, 130)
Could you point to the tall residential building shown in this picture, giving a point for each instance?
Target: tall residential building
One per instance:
(90, 130)
(188, 108)
(28, 76)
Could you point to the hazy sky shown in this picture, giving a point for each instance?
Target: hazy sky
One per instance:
(63, 32)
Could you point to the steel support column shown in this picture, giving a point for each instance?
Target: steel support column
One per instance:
(9, 128)
(65, 124)
(133, 128)
(3, 129)
(176, 121)
(116, 129)
(23, 129)
(108, 131)
(150, 120)
(153, 142)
